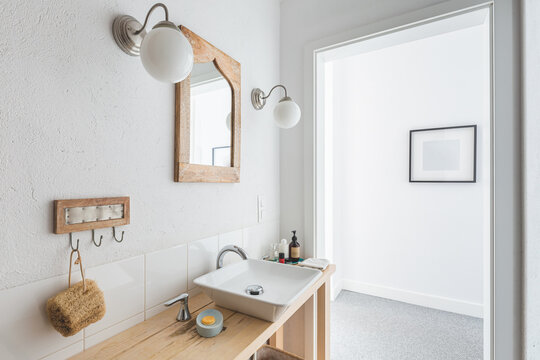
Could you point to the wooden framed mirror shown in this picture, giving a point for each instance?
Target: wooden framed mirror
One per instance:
(207, 117)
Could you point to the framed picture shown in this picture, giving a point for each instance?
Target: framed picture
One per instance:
(443, 155)
(221, 156)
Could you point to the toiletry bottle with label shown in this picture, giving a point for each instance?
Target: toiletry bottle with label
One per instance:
(294, 248)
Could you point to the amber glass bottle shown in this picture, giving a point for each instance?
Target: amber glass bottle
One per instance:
(294, 248)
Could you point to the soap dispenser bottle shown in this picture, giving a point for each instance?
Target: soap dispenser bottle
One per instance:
(294, 248)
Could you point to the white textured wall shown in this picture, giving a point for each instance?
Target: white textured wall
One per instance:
(79, 118)
(302, 22)
(531, 134)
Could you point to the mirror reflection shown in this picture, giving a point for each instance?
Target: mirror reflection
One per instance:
(210, 122)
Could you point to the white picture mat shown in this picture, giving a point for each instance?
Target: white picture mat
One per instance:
(443, 154)
(222, 156)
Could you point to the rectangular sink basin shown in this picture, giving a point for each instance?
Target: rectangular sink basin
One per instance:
(281, 286)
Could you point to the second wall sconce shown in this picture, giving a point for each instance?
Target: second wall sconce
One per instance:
(165, 52)
(286, 113)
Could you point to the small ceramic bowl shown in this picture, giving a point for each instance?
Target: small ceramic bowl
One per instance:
(210, 330)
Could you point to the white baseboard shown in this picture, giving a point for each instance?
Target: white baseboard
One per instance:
(337, 286)
(416, 298)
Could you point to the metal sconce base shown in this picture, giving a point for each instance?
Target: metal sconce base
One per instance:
(257, 98)
(124, 28)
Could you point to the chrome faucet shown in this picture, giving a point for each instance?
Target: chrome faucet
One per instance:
(183, 312)
(230, 248)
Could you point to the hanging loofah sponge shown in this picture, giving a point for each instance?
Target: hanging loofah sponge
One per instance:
(74, 309)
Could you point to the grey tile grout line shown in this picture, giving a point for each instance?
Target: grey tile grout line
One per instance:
(117, 323)
(129, 317)
(144, 277)
(62, 349)
(187, 266)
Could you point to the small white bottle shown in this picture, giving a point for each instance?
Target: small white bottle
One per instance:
(284, 248)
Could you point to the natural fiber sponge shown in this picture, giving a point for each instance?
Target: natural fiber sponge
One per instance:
(72, 310)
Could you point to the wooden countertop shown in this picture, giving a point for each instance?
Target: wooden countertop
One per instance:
(162, 337)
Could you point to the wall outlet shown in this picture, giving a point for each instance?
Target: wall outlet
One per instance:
(260, 208)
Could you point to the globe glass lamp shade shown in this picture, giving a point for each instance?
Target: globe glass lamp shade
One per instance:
(287, 113)
(166, 54)
(228, 121)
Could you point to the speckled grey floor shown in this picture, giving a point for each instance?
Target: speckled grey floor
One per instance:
(365, 327)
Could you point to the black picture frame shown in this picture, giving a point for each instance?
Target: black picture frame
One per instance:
(411, 133)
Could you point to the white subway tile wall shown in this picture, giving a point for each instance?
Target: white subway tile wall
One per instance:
(253, 244)
(66, 352)
(25, 331)
(92, 340)
(122, 284)
(202, 256)
(231, 238)
(166, 275)
(257, 240)
(134, 289)
(148, 313)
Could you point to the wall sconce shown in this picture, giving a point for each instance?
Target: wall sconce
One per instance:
(286, 113)
(165, 52)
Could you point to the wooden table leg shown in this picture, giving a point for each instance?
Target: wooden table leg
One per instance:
(276, 340)
(309, 329)
(323, 322)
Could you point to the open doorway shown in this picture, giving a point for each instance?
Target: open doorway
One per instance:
(413, 259)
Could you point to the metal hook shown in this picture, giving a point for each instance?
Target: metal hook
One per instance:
(71, 243)
(94, 239)
(114, 235)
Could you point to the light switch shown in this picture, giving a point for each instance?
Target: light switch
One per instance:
(260, 208)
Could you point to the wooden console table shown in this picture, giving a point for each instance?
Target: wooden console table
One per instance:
(162, 337)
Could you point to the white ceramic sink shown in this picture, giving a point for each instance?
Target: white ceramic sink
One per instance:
(282, 284)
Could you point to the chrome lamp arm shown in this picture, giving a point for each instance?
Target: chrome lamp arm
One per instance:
(148, 15)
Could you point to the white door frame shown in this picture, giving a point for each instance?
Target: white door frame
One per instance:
(502, 329)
